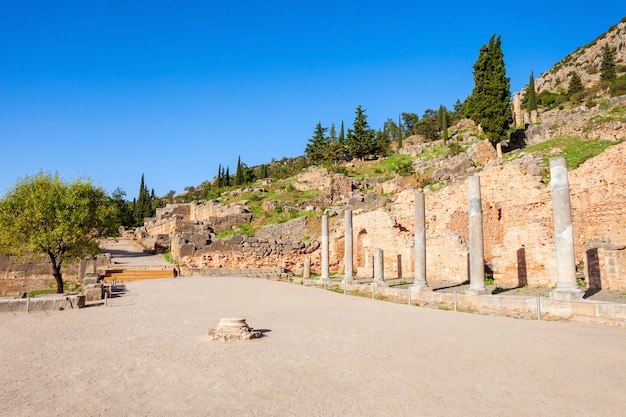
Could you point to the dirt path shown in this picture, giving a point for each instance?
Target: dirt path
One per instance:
(323, 354)
(124, 253)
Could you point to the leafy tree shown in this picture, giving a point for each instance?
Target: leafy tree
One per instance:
(427, 127)
(318, 145)
(607, 67)
(360, 141)
(575, 84)
(410, 121)
(489, 105)
(263, 172)
(531, 94)
(45, 215)
(124, 209)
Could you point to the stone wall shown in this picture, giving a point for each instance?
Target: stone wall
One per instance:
(23, 276)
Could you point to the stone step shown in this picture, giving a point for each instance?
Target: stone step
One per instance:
(125, 275)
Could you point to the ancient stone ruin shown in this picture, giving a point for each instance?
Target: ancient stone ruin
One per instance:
(232, 329)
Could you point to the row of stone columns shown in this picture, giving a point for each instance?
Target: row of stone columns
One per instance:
(566, 287)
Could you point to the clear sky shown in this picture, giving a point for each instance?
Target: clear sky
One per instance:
(113, 89)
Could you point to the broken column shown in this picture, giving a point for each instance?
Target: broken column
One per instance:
(499, 150)
(566, 287)
(379, 266)
(325, 271)
(419, 284)
(476, 248)
(306, 273)
(347, 225)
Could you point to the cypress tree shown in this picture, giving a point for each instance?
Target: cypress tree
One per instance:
(239, 173)
(342, 138)
(219, 176)
(443, 120)
(489, 104)
(532, 96)
(400, 133)
(227, 178)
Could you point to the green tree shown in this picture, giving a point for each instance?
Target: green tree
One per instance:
(264, 172)
(342, 137)
(489, 105)
(239, 172)
(531, 103)
(428, 126)
(443, 122)
(607, 67)
(360, 141)
(318, 145)
(575, 84)
(44, 215)
(400, 133)
(409, 120)
(143, 206)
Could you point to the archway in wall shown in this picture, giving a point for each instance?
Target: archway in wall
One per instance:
(363, 256)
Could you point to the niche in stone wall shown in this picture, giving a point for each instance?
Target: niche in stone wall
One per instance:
(363, 255)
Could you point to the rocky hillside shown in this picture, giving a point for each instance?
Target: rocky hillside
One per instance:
(586, 61)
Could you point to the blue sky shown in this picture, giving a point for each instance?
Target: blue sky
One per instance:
(111, 90)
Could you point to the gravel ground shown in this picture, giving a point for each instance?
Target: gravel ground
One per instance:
(322, 354)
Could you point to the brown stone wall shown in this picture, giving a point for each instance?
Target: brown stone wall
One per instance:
(24, 276)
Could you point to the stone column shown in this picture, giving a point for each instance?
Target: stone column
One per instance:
(379, 266)
(347, 253)
(517, 110)
(566, 287)
(476, 248)
(306, 273)
(325, 275)
(419, 284)
(499, 150)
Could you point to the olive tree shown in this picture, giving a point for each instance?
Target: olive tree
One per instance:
(44, 215)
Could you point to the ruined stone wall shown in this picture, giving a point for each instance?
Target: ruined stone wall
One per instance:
(517, 222)
(23, 276)
(242, 252)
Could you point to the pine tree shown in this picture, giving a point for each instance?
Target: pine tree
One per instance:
(360, 141)
(318, 145)
(607, 67)
(532, 95)
(489, 105)
(575, 84)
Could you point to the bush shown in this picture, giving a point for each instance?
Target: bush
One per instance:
(618, 88)
(546, 98)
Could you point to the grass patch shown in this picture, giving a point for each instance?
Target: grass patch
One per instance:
(575, 150)
(168, 257)
(69, 287)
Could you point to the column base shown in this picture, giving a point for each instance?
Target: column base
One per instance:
(476, 291)
(567, 294)
(420, 288)
(380, 283)
(347, 280)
